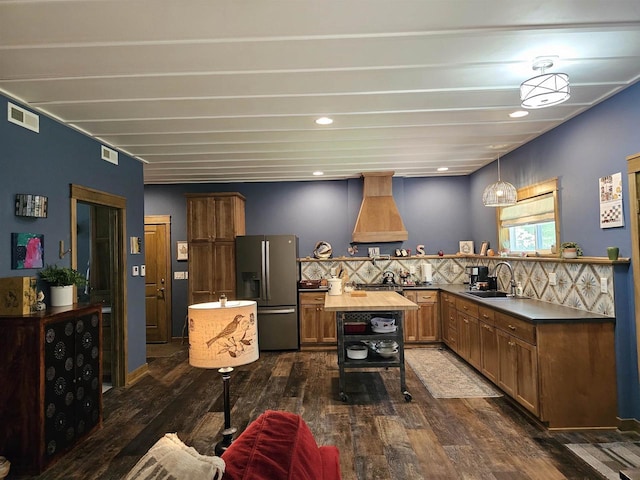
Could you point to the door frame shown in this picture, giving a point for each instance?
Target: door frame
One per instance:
(633, 169)
(166, 221)
(79, 193)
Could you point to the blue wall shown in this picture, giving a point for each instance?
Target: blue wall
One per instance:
(46, 163)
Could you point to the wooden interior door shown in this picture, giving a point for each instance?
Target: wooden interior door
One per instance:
(157, 249)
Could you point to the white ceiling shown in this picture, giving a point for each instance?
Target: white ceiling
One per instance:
(227, 91)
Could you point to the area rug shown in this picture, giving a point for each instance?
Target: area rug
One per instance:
(608, 458)
(446, 376)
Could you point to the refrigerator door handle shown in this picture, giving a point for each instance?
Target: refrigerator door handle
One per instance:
(267, 277)
(263, 266)
(276, 311)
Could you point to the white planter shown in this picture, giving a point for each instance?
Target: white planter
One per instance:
(62, 296)
(570, 253)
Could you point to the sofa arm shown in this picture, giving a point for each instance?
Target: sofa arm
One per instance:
(277, 446)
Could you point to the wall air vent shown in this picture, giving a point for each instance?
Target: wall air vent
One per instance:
(22, 117)
(109, 155)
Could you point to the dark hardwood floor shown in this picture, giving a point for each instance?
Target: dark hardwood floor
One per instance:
(380, 436)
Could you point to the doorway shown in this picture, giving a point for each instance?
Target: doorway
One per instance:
(157, 251)
(98, 249)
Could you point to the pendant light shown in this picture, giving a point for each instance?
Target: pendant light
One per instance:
(499, 194)
(546, 89)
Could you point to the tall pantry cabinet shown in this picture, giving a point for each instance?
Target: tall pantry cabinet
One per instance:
(213, 222)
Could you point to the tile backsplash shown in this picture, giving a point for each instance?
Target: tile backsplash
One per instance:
(577, 283)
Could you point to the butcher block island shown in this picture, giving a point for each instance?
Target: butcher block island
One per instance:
(370, 346)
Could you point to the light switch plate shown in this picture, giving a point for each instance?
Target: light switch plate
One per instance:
(143, 270)
(135, 270)
(553, 280)
(603, 285)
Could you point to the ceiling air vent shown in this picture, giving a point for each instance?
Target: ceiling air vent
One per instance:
(109, 155)
(22, 117)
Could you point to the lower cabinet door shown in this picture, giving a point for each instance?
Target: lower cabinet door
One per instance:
(490, 363)
(527, 375)
(507, 358)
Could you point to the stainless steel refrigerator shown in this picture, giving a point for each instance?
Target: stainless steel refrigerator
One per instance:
(267, 272)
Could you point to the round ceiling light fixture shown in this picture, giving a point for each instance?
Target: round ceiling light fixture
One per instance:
(544, 90)
(499, 194)
(518, 114)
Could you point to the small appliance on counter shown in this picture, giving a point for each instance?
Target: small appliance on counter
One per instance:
(477, 274)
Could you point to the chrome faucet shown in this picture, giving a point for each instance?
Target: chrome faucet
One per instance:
(512, 282)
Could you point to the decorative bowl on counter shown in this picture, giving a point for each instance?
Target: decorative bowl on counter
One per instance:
(357, 351)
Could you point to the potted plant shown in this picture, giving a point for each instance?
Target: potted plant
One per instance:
(62, 280)
(570, 250)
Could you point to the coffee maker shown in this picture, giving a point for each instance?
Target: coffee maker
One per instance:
(477, 274)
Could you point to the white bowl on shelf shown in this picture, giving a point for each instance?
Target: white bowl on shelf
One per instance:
(384, 329)
(383, 322)
(357, 352)
(387, 352)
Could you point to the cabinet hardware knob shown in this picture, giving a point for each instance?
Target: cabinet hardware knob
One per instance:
(511, 327)
(512, 344)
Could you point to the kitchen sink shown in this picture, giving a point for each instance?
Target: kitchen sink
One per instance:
(488, 293)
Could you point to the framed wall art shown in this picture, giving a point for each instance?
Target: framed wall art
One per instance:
(27, 250)
(182, 249)
(466, 247)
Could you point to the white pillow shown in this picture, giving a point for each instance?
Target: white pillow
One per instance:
(169, 457)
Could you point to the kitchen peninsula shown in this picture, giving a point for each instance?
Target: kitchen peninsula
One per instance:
(385, 303)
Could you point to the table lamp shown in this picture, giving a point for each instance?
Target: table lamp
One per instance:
(223, 337)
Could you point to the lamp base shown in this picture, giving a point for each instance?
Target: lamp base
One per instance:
(227, 438)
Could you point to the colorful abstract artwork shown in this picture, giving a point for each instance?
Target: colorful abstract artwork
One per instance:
(27, 250)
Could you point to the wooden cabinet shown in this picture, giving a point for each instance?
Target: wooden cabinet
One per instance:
(213, 222)
(449, 317)
(52, 398)
(317, 326)
(422, 325)
(489, 360)
(562, 372)
(468, 332)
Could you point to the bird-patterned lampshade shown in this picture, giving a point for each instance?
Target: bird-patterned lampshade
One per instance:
(223, 336)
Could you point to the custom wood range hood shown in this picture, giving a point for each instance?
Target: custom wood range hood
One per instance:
(378, 219)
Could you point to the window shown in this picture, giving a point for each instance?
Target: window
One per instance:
(531, 225)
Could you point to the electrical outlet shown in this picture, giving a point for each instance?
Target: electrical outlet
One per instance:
(456, 268)
(603, 285)
(135, 270)
(143, 270)
(553, 280)
(412, 269)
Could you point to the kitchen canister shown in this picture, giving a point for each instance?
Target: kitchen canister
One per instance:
(335, 286)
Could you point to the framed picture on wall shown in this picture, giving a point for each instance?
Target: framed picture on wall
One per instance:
(466, 247)
(27, 250)
(182, 249)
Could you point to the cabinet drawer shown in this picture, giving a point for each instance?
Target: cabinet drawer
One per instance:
(426, 297)
(516, 327)
(487, 315)
(468, 307)
(315, 298)
(449, 299)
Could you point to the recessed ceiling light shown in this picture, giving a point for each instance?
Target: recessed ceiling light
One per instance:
(518, 114)
(443, 169)
(318, 173)
(324, 121)
(498, 146)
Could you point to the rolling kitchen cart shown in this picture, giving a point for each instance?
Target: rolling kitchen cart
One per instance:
(373, 360)
(370, 304)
